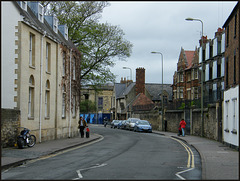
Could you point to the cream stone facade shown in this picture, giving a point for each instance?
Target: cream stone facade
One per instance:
(42, 77)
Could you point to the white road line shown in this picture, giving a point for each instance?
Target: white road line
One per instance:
(178, 173)
(79, 171)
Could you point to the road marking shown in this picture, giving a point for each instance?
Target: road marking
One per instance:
(79, 171)
(190, 158)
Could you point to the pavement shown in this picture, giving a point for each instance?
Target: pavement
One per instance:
(219, 162)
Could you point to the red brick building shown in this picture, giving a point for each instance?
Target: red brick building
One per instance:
(185, 80)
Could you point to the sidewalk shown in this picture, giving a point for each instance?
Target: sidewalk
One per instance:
(14, 156)
(219, 162)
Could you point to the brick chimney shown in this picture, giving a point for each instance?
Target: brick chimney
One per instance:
(140, 81)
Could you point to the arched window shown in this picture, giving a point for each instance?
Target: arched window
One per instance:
(47, 99)
(31, 97)
(63, 101)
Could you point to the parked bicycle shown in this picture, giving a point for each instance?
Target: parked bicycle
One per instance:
(26, 139)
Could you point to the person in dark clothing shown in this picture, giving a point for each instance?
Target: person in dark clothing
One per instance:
(81, 126)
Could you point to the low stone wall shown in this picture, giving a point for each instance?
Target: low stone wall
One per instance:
(10, 124)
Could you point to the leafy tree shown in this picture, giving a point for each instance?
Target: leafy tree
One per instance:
(87, 106)
(99, 43)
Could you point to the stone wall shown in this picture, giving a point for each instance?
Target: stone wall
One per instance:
(152, 116)
(9, 127)
(210, 116)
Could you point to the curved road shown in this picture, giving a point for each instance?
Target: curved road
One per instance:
(119, 155)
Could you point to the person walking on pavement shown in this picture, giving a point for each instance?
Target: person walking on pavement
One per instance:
(81, 125)
(183, 125)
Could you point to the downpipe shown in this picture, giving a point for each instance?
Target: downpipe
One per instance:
(41, 75)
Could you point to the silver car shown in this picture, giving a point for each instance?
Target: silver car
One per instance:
(131, 123)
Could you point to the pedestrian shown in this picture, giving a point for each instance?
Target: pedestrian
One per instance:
(183, 125)
(81, 126)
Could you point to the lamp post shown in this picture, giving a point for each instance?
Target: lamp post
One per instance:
(162, 84)
(130, 71)
(192, 19)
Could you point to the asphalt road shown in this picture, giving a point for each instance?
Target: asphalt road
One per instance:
(120, 155)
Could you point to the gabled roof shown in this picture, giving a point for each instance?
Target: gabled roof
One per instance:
(156, 89)
(142, 103)
(189, 56)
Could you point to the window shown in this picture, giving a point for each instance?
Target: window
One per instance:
(31, 98)
(226, 116)
(214, 92)
(48, 57)
(55, 24)
(215, 47)
(74, 106)
(40, 13)
(234, 101)
(32, 50)
(100, 102)
(196, 73)
(181, 92)
(189, 77)
(66, 32)
(222, 67)
(223, 43)
(181, 77)
(47, 100)
(195, 93)
(63, 102)
(189, 93)
(74, 68)
(207, 72)
(23, 5)
(214, 70)
(200, 55)
(207, 51)
(63, 63)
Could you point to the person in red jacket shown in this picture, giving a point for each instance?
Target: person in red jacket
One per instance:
(183, 125)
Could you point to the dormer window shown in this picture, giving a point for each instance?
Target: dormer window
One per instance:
(66, 32)
(55, 24)
(23, 5)
(40, 12)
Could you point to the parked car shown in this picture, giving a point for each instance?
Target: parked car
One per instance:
(123, 125)
(143, 126)
(119, 124)
(131, 123)
(114, 124)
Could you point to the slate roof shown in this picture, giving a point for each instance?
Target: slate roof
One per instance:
(153, 89)
(30, 18)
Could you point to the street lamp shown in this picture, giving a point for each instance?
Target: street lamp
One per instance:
(130, 71)
(192, 19)
(162, 84)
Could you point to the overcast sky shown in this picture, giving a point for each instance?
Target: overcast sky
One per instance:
(161, 26)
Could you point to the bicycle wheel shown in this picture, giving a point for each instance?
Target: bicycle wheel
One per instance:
(32, 141)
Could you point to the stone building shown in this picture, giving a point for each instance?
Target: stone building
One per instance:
(39, 71)
(231, 80)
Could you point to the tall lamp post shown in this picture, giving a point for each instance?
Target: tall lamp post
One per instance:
(192, 19)
(162, 84)
(130, 71)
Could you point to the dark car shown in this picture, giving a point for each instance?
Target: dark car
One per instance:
(143, 126)
(119, 124)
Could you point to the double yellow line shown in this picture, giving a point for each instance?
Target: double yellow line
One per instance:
(190, 153)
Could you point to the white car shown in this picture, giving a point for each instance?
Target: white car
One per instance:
(132, 122)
